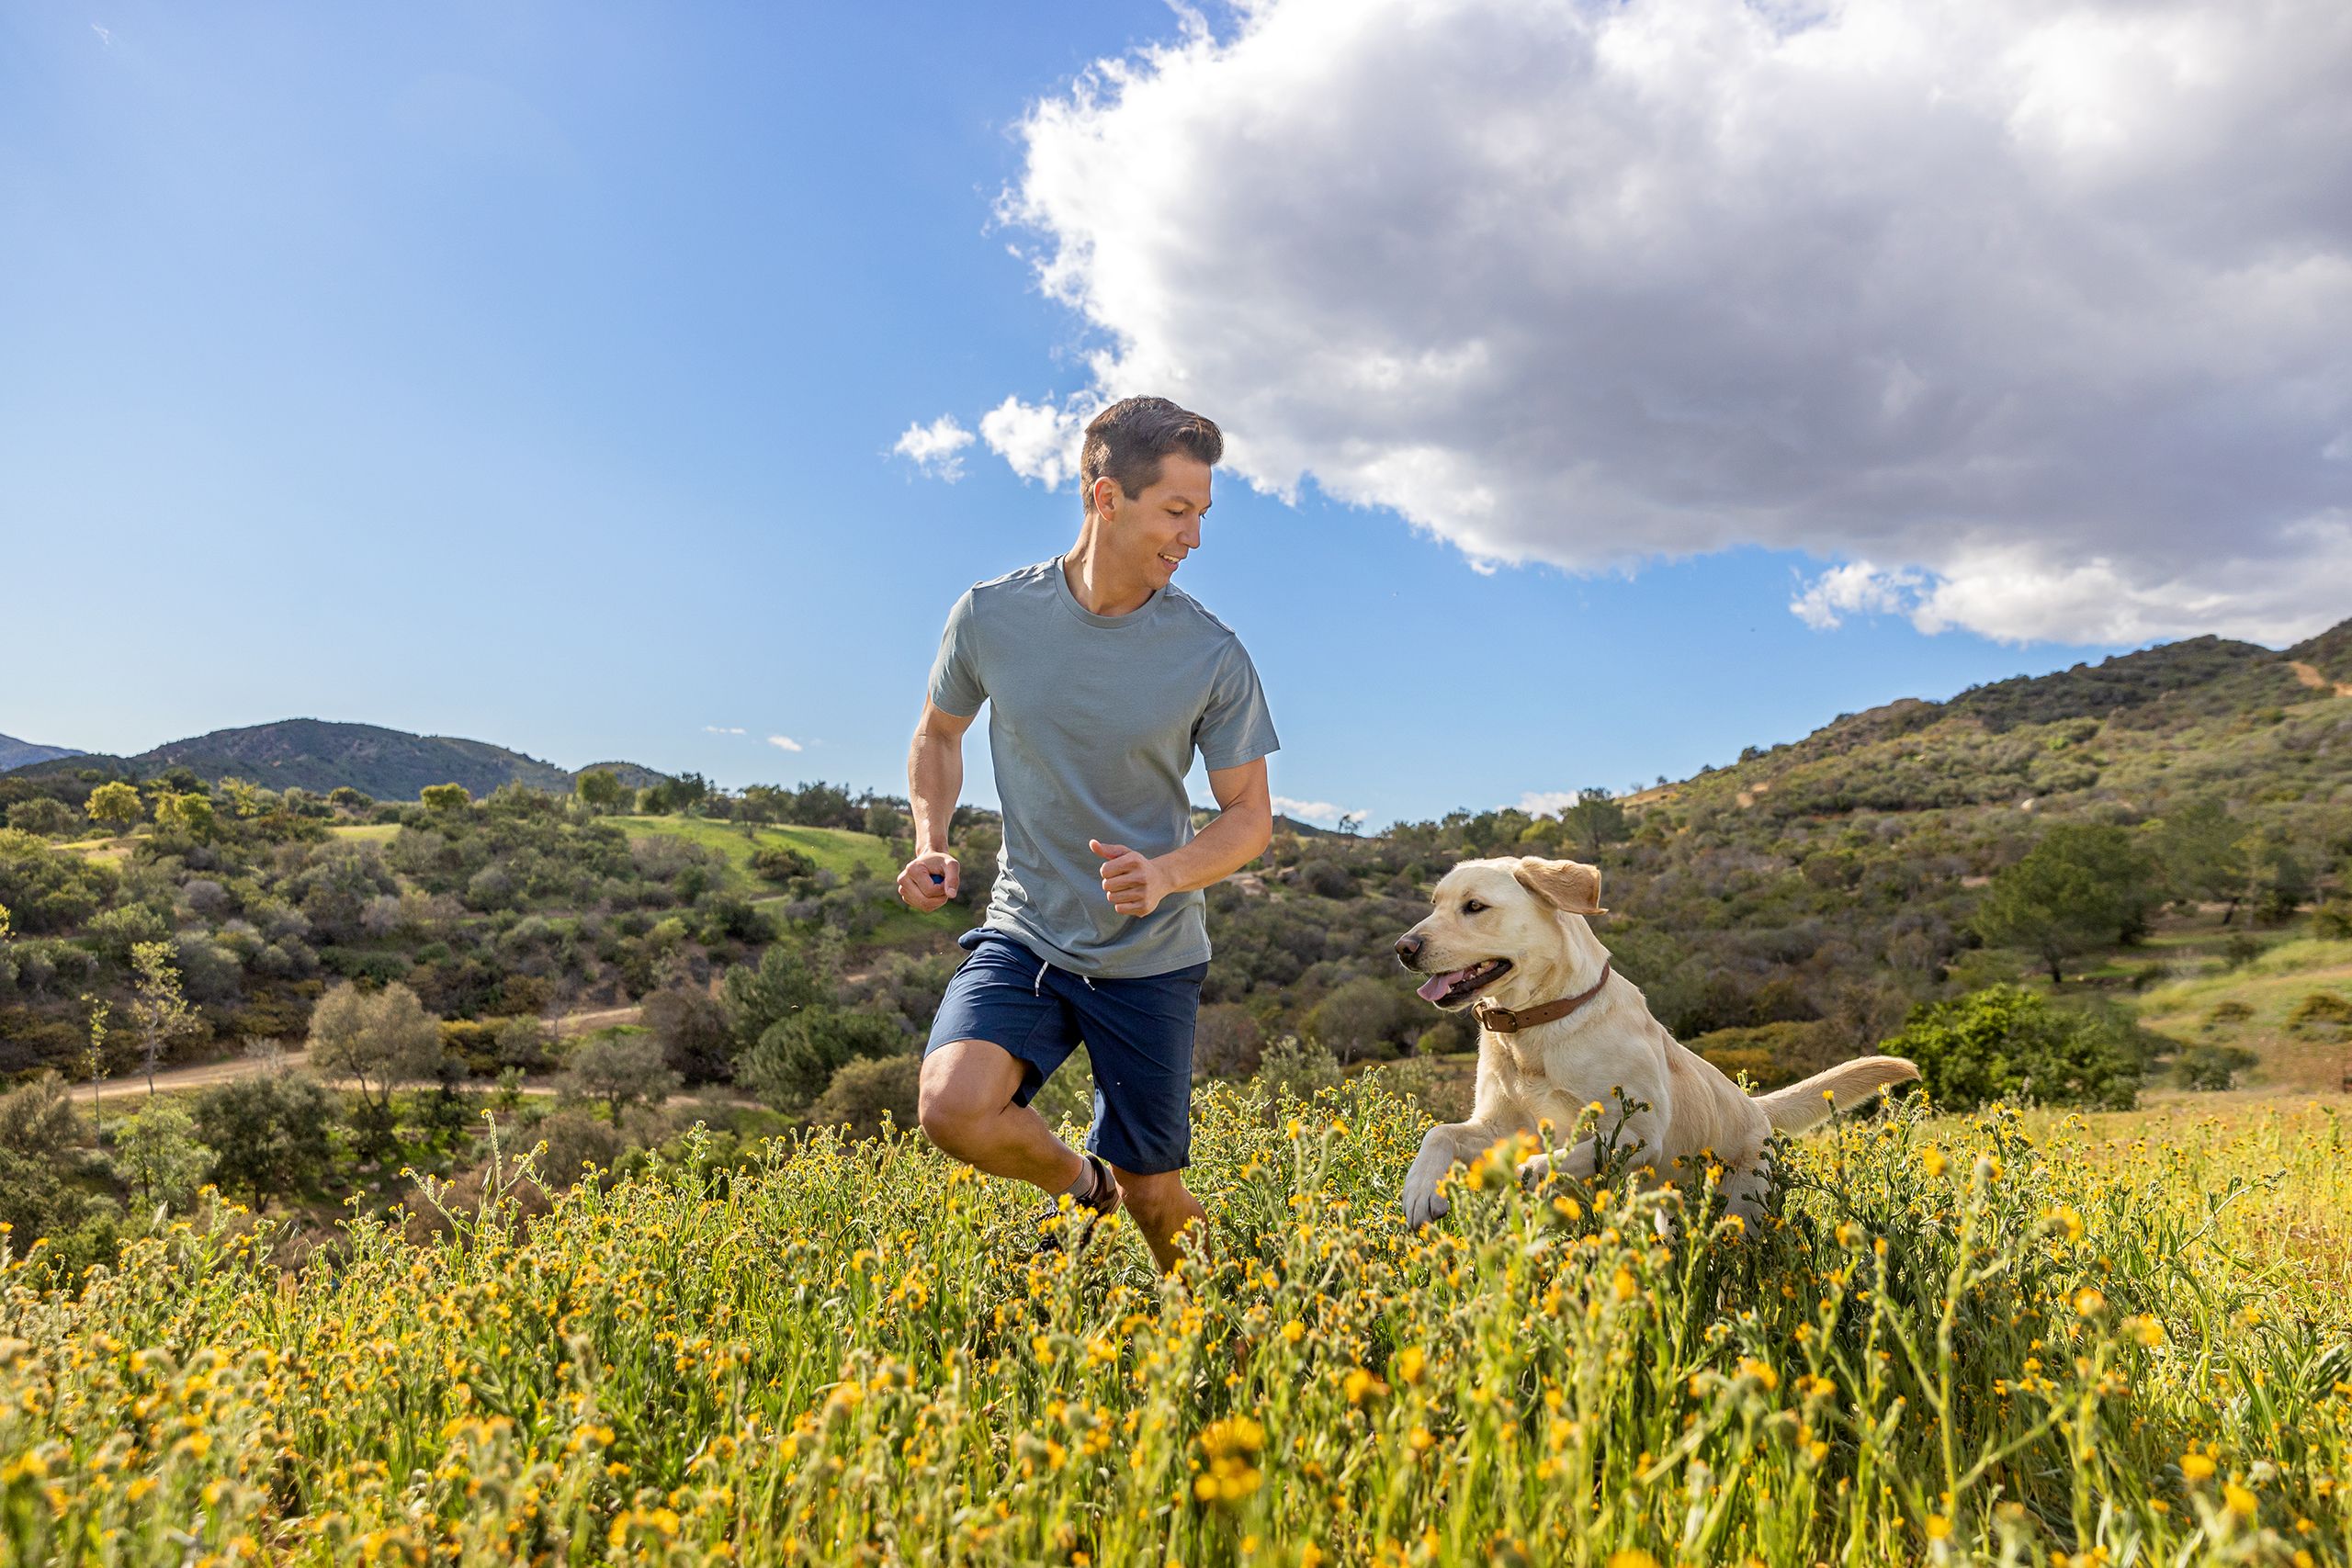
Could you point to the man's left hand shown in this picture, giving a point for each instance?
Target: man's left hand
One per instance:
(1134, 883)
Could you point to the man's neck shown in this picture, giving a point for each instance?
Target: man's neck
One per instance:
(1097, 584)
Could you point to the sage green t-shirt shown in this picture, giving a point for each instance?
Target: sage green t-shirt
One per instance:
(1093, 722)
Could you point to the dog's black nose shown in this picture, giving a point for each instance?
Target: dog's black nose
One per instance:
(1408, 949)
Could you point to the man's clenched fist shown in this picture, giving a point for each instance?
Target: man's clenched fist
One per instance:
(929, 880)
(1134, 884)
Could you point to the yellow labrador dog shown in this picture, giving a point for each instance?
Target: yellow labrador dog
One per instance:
(1560, 1029)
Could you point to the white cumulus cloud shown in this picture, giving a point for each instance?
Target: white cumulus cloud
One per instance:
(1548, 802)
(1039, 441)
(1312, 810)
(2031, 316)
(784, 742)
(722, 729)
(937, 448)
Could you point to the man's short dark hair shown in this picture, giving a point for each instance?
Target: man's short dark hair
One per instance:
(1127, 440)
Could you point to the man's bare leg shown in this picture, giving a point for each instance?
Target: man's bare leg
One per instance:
(966, 1108)
(1163, 1207)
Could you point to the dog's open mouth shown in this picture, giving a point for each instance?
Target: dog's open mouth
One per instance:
(1458, 986)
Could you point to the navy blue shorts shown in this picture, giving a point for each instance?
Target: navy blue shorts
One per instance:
(1137, 1032)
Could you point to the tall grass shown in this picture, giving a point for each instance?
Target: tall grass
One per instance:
(1998, 1338)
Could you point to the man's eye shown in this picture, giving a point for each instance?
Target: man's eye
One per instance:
(1472, 908)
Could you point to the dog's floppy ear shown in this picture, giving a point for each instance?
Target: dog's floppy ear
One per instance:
(1566, 884)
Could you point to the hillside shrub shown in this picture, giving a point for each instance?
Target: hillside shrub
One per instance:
(692, 1027)
(1227, 1041)
(620, 1068)
(574, 1140)
(2005, 1043)
(795, 1058)
(1769, 1053)
(781, 863)
(862, 1092)
(2320, 1015)
(1298, 1067)
(1365, 1018)
(2209, 1066)
(267, 1133)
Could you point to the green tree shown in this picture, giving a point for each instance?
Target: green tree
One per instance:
(601, 790)
(2275, 881)
(188, 813)
(693, 1028)
(2081, 886)
(653, 800)
(380, 1041)
(94, 1054)
(759, 997)
(1362, 1017)
(795, 1058)
(43, 816)
(115, 806)
(865, 1091)
(267, 1131)
(158, 1012)
(619, 1069)
(2197, 847)
(37, 1134)
(446, 797)
(2006, 1043)
(1596, 820)
(158, 1149)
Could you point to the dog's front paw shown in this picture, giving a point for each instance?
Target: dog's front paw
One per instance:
(1532, 1171)
(1423, 1203)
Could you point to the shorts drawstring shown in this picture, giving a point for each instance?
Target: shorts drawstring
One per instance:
(1037, 988)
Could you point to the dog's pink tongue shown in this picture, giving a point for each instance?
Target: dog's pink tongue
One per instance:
(1434, 991)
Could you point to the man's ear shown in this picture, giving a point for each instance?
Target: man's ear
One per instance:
(1565, 884)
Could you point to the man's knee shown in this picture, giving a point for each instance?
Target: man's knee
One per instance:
(961, 1086)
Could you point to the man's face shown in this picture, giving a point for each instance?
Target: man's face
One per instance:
(1153, 532)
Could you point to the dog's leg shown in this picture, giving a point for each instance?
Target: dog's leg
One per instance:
(1441, 1146)
(1582, 1160)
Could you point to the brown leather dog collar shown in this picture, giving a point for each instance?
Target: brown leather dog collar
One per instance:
(1505, 1020)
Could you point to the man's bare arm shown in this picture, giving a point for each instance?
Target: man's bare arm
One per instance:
(1245, 825)
(935, 780)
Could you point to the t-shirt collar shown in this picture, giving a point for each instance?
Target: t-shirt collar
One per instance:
(1110, 623)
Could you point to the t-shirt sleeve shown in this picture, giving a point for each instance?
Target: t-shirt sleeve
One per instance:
(956, 685)
(1236, 728)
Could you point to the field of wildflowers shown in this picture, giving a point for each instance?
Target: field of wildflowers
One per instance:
(2009, 1338)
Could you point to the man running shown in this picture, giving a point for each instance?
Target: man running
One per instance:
(1102, 680)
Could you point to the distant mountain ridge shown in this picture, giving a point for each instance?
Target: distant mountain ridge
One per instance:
(322, 755)
(15, 753)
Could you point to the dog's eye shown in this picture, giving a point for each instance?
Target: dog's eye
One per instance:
(1472, 907)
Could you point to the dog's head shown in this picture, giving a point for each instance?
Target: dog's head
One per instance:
(1503, 927)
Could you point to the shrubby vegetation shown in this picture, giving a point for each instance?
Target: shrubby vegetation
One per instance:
(1920, 873)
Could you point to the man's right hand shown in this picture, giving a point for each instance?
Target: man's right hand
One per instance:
(929, 880)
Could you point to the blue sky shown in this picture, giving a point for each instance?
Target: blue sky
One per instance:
(530, 373)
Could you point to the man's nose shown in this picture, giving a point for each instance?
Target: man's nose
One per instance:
(1409, 950)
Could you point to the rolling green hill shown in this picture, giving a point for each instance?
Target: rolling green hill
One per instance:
(320, 755)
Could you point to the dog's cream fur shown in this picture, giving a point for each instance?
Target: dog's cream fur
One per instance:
(1687, 1113)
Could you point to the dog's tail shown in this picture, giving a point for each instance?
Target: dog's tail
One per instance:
(1843, 1086)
